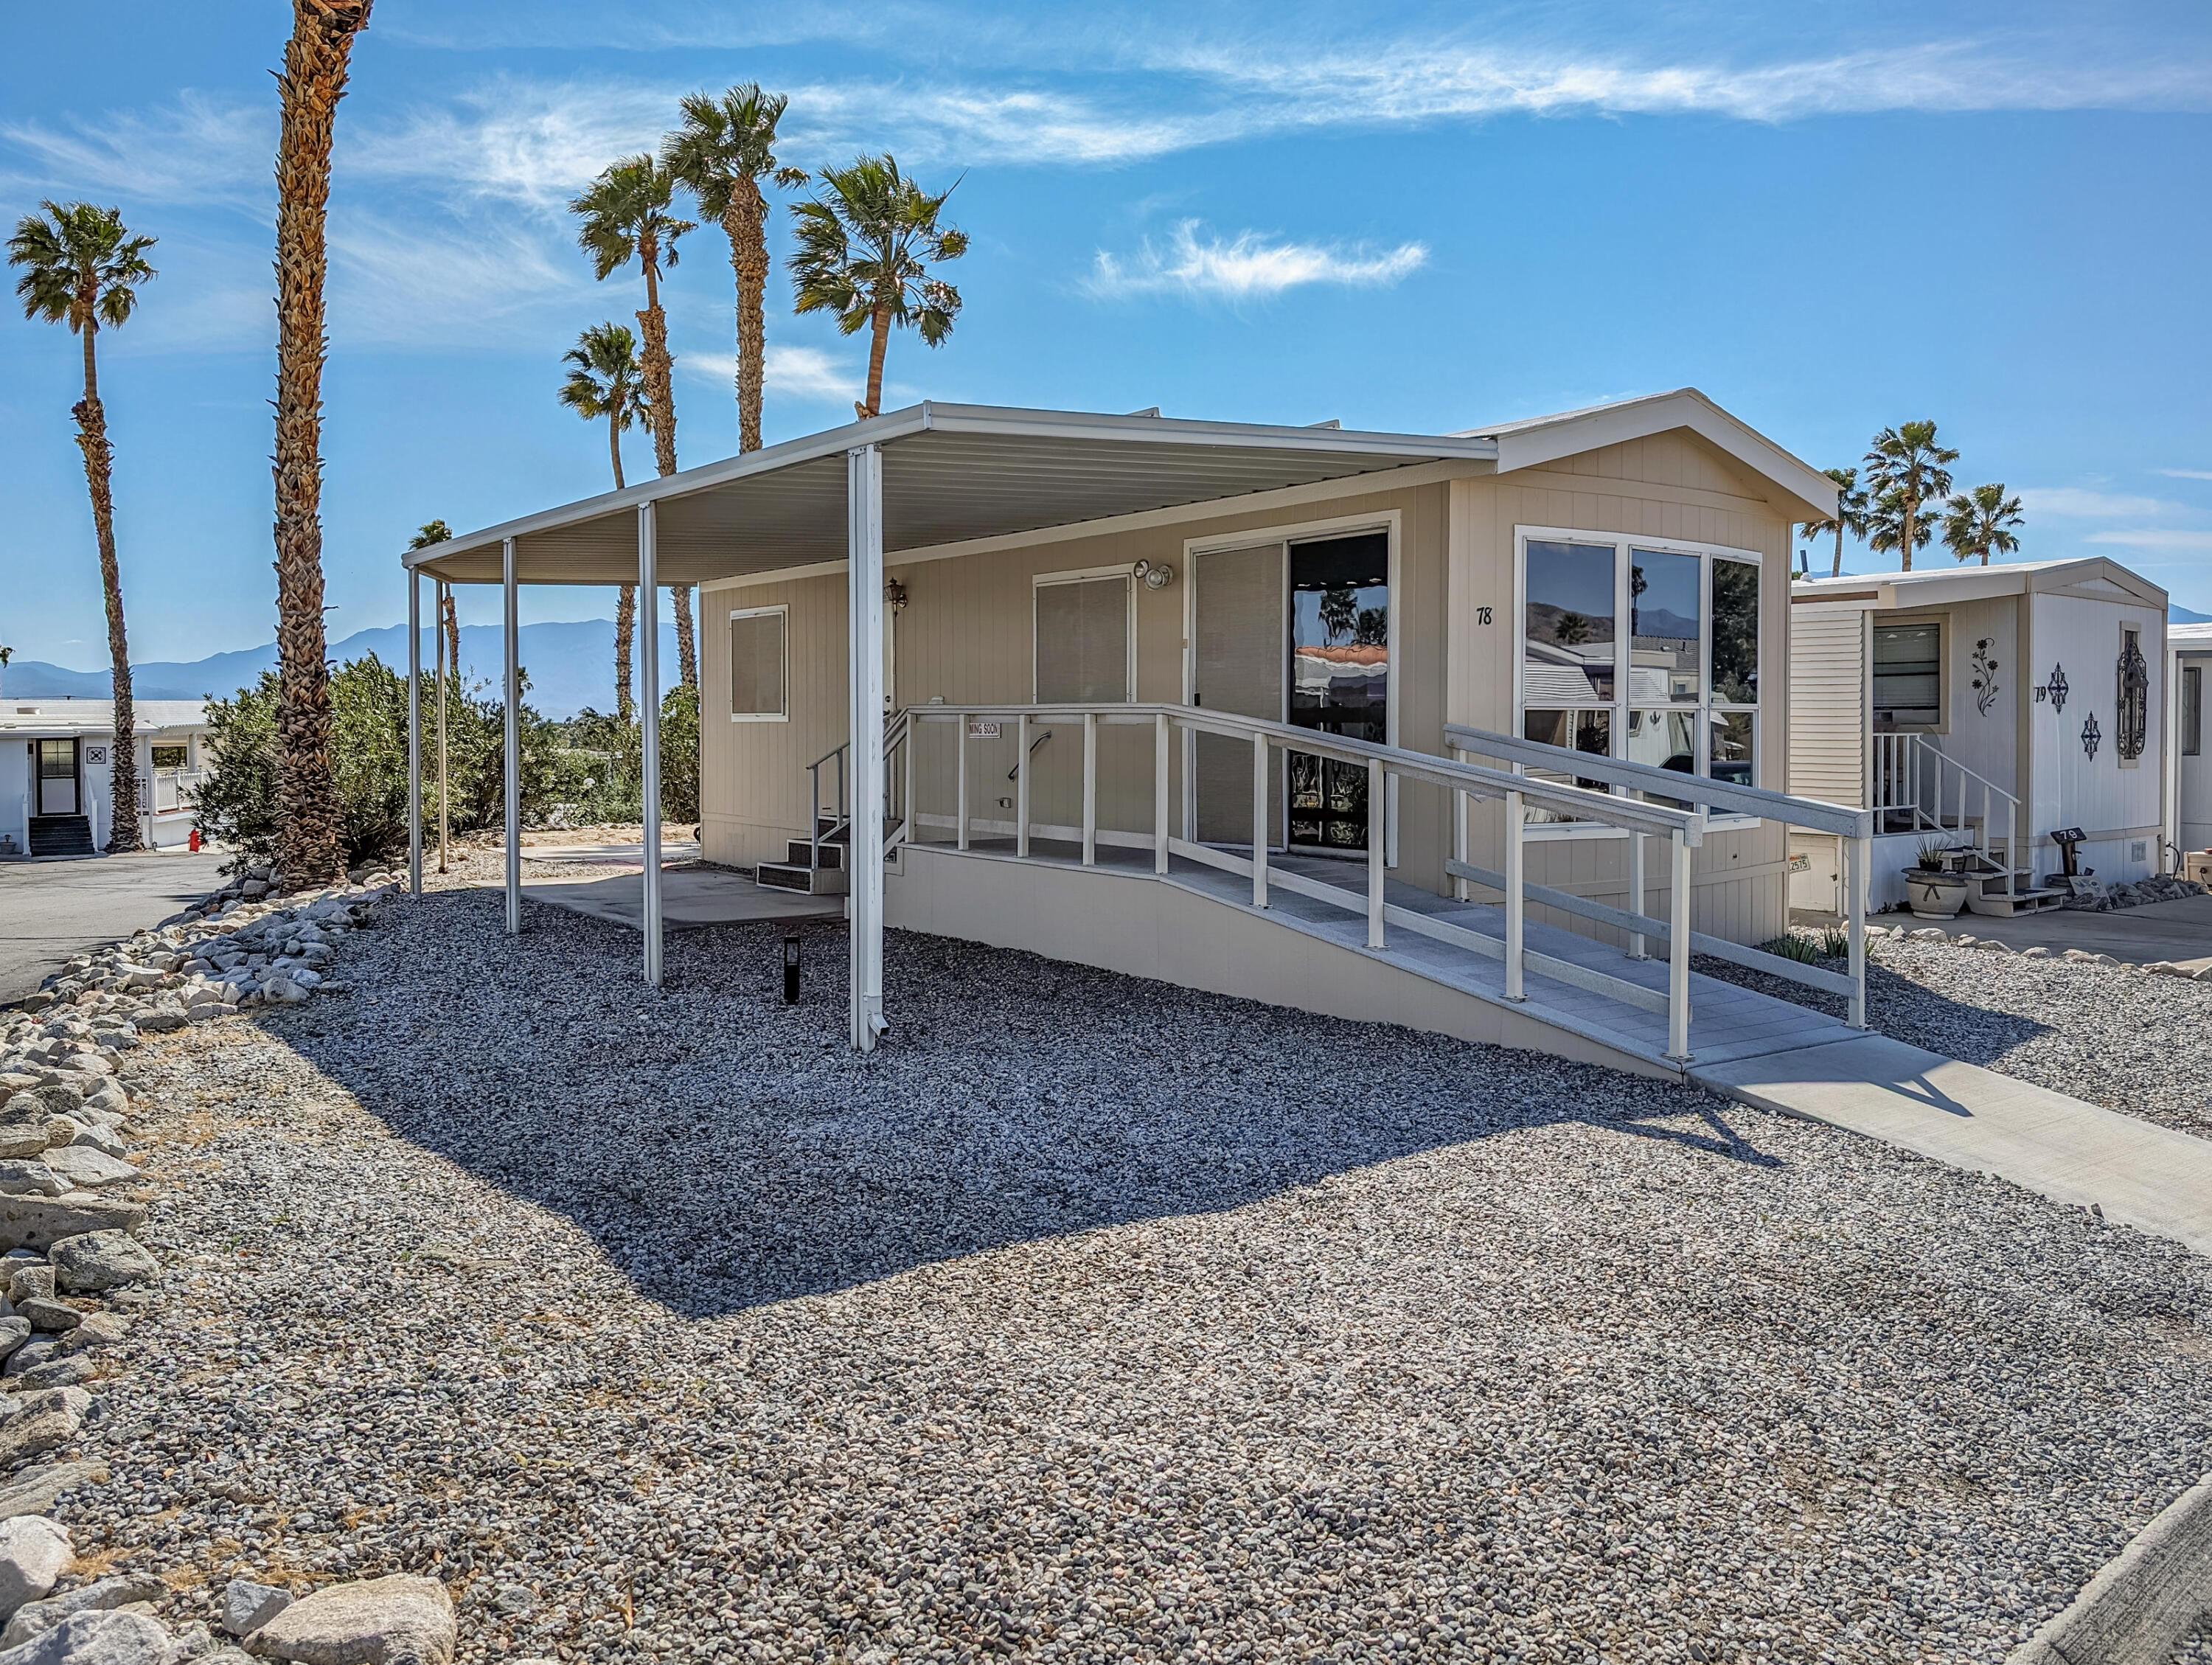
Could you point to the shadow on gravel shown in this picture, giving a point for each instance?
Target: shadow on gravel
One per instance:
(728, 1151)
(1902, 1009)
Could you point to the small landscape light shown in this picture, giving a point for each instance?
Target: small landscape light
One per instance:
(791, 969)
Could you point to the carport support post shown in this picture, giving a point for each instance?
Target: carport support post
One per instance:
(864, 846)
(414, 732)
(649, 712)
(1858, 865)
(510, 613)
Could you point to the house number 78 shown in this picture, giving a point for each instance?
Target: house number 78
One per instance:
(1482, 615)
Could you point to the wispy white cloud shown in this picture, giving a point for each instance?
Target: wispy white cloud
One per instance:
(801, 372)
(1390, 82)
(2187, 473)
(1246, 266)
(2077, 504)
(192, 149)
(2156, 538)
(396, 283)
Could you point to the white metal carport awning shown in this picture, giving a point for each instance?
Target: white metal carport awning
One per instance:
(951, 473)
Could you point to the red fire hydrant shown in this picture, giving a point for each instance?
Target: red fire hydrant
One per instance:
(195, 840)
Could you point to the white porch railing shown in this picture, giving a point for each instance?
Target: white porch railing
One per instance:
(175, 789)
(1683, 828)
(1911, 775)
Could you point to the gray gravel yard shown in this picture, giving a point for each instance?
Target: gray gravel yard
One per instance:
(1092, 1318)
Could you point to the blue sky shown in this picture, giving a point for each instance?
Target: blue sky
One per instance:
(1830, 217)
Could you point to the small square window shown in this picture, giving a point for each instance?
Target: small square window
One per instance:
(168, 757)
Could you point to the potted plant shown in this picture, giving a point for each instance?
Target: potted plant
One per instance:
(1934, 890)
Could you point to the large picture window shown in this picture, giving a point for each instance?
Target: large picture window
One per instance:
(758, 665)
(1677, 688)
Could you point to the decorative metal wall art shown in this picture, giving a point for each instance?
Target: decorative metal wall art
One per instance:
(2057, 686)
(2133, 713)
(2091, 735)
(1985, 677)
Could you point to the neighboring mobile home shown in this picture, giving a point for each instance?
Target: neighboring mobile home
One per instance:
(1173, 697)
(1994, 706)
(2188, 771)
(56, 794)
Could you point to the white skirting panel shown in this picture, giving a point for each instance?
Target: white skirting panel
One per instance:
(1130, 923)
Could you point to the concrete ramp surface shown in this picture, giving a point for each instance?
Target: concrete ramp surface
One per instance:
(2146, 1176)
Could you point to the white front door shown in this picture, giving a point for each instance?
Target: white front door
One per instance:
(58, 794)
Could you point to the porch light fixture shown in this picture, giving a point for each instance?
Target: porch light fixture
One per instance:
(2091, 737)
(894, 595)
(1156, 577)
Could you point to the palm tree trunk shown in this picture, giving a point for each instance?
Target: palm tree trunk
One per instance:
(98, 460)
(880, 340)
(454, 638)
(687, 649)
(748, 261)
(614, 446)
(1909, 528)
(313, 82)
(625, 633)
(654, 324)
(1837, 571)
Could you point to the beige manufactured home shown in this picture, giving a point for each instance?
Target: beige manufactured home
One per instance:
(1480, 731)
(2188, 766)
(1992, 707)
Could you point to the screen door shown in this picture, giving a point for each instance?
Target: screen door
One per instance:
(1240, 641)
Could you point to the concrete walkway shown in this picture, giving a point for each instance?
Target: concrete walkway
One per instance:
(2139, 1173)
(688, 900)
(50, 910)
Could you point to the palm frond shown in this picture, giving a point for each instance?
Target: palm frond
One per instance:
(81, 265)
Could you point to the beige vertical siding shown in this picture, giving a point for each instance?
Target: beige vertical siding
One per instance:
(753, 784)
(1828, 704)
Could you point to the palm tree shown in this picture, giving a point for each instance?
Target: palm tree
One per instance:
(81, 267)
(1907, 465)
(1850, 515)
(724, 150)
(865, 249)
(1895, 524)
(625, 214)
(437, 531)
(309, 90)
(1980, 522)
(604, 382)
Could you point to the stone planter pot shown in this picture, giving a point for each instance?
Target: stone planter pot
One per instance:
(1935, 895)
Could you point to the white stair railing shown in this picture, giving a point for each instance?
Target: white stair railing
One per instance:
(1910, 773)
(1383, 766)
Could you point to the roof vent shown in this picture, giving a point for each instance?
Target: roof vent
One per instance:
(1149, 410)
(1333, 421)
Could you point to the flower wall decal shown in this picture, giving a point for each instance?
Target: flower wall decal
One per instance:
(1985, 677)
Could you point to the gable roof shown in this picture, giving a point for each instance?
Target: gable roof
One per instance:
(2089, 578)
(1801, 492)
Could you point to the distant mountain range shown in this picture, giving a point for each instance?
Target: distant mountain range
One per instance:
(571, 666)
(2182, 616)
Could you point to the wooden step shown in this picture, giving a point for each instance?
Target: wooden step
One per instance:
(799, 876)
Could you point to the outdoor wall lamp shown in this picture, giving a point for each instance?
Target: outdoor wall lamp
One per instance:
(894, 595)
(1156, 577)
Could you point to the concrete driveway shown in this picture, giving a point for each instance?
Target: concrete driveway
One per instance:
(50, 910)
(2178, 930)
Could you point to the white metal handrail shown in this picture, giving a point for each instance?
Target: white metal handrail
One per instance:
(180, 787)
(1683, 828)
(1909, 772)
(835, 755)
(1855, 828)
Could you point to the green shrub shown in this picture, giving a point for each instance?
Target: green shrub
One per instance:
(238, 802)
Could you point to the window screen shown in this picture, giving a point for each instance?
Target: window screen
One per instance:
(756, 664)
(1082, 642)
